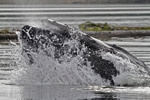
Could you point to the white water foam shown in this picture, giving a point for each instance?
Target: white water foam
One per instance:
(130, 74)
(47, 70)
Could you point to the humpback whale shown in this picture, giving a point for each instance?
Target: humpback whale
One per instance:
(63, 43)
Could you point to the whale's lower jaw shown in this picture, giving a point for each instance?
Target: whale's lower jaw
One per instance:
(86, 54)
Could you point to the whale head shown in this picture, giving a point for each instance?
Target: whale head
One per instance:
(37, 40)
(109, 61)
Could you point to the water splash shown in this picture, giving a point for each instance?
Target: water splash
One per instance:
(53, 56)
(47, 70)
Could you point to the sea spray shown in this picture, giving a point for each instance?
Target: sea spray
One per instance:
(63, 55)
(48, 70)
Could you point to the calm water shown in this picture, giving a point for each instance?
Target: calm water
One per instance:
(16, 16)
(73, 93)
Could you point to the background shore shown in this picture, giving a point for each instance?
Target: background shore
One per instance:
(96, 34)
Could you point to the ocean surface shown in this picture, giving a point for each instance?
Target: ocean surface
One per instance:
(15, 16)
(18, 15)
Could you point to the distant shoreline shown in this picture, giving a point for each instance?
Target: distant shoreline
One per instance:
(101, 34)
(97, 30)
(105, 30)
(109, 34)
